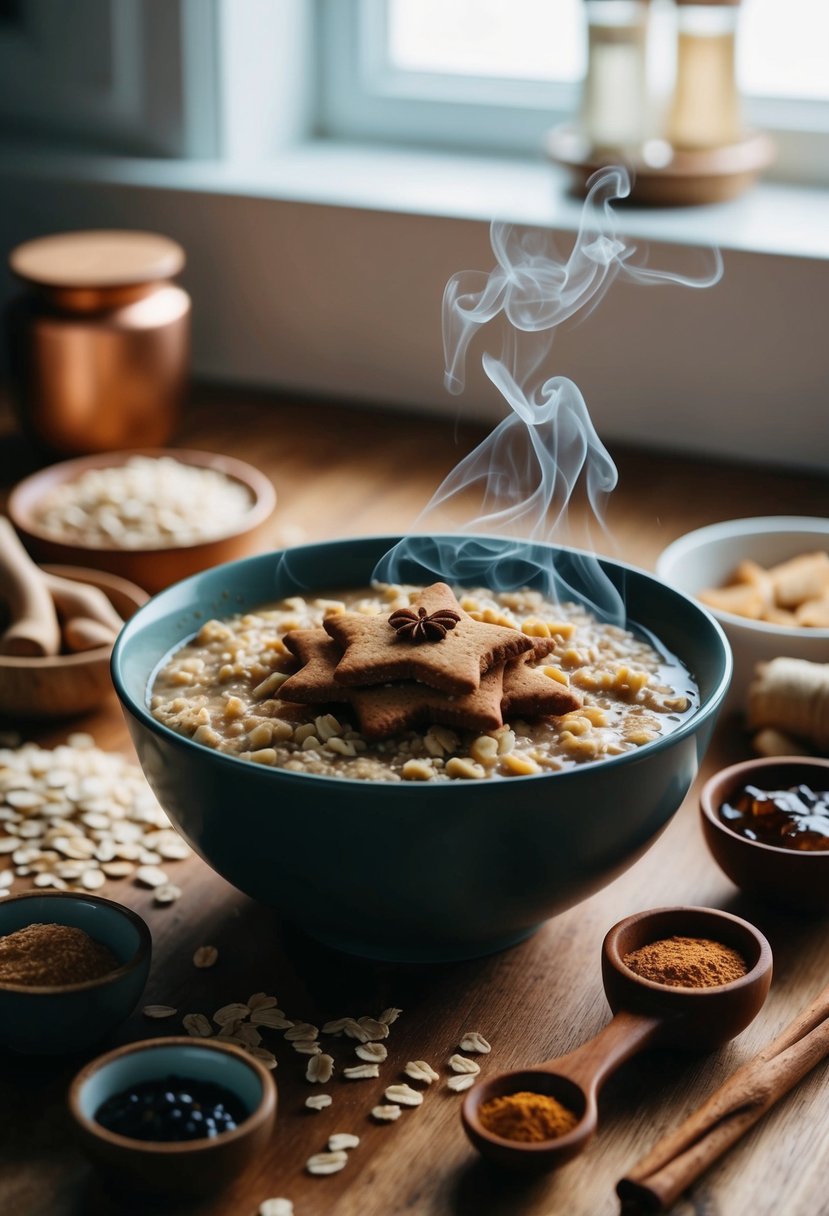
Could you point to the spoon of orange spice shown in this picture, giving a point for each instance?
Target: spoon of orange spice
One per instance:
(538, 1118)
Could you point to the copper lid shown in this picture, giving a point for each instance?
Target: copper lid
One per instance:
(97, 259)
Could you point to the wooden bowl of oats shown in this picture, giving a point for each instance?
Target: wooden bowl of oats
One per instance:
(434, 843)
(152, 515)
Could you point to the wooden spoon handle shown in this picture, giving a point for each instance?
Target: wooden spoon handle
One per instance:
(590, 1065)
(677, 1160)
(33, 630)
(74, 599)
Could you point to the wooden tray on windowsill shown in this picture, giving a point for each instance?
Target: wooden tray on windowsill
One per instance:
(662, 176)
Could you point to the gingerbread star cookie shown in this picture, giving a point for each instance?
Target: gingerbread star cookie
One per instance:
(425, 643)
(529, 692)
(314, 683)
(388, 708)
(392, 708)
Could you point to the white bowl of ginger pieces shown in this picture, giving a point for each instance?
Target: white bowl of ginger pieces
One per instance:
(766, 580)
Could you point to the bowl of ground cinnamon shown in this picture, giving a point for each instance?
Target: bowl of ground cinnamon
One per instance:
(72, 967)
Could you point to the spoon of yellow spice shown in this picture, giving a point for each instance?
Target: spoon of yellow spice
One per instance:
(680, 977)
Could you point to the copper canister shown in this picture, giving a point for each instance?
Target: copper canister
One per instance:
(100, 340)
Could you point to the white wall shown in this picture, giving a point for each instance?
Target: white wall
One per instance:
(346, 302)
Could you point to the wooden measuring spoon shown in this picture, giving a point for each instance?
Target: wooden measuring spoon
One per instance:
(646, 1014)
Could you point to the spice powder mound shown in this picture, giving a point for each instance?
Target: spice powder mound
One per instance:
(687, 962)
(526, 1116)
(45, 955)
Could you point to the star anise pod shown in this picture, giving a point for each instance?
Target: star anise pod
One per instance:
(419, 626)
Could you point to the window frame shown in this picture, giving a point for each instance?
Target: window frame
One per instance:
(362, 97)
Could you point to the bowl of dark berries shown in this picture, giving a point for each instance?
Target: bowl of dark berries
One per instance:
(766, 823)
(173, 1116)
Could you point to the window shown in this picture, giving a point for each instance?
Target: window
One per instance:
(495, 75)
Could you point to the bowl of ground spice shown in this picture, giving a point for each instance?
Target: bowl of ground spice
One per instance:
(766, 824)
(72, 967)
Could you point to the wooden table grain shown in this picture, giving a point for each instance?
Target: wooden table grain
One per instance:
(340, 471)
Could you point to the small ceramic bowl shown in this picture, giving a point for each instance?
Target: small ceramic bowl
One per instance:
(708, 557)
(65, 685)
(789, 877)
(70, 1017)
(182, 1167)
(154, 568)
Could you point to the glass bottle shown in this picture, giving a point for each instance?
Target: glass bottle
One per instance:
(614, 97)
(706, 105)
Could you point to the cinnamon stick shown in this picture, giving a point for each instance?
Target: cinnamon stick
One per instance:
(677, 1160)
(33, 629)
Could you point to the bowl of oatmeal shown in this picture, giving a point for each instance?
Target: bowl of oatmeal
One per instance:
(152, 516)
(435, 842)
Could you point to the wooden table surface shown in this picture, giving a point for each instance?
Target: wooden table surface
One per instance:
(346, 472)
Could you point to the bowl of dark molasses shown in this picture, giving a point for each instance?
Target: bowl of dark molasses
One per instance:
(766, 823)
(173, 1116)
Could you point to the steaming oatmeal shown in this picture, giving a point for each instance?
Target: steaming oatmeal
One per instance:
(222, 690)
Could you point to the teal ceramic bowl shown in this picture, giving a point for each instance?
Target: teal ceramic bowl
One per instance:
(409, 871)
(71, 1017)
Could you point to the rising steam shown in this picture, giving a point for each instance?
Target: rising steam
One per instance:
(519, 481)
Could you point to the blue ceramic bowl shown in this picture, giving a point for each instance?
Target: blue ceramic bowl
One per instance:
(70, 1017)
(410, 871)
(184, 1167)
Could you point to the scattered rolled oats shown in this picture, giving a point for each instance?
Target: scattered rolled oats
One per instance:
(230, 1013)
(353, 1030)
(205, 956)
(301, 1030)
(92, 880)
(463, 1064)
(265, 1056)
(276, 1207)
(404, 1095)
(326, 1163)
(248, 1035)
(373, 1028)
(159, 1011)
(167, 893)
(307, 1047)
(337, 1026)
(318, 1101)
(261, 1000)
(386, 1114)
(320, 1069)
(419, 1070)
(475, 1042)
(460, 1083)
(389, 1015)
(361, 1072)
(270, 1016)
(342, 1140)
(197, 1025)
(151, 876)
(373, 1052)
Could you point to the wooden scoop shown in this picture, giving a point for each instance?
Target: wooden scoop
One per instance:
(33, 630)
(647, 1014)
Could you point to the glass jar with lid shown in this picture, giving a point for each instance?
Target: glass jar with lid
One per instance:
(706, 106)
(614, 109)
(99, 340)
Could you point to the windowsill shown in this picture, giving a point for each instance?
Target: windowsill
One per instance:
(773, 218)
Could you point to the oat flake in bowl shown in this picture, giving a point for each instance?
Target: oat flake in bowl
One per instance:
(148, 502)
(399, 869)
